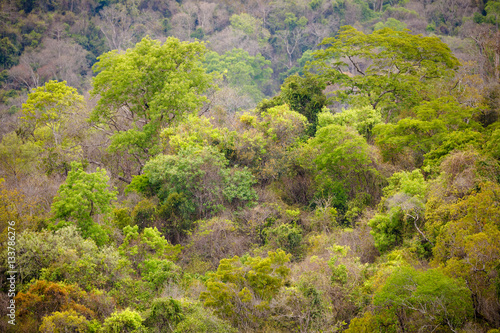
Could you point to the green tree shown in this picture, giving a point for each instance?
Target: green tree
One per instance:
(82, 198)
(49, 118)
(468, 245)
(202, 176)
(249, 73)
(363, 119)
(393, 70)
(434, 129)
(67, 257)
(424, 299)
(343, 158)
(305, 96)
(66, 321)
(241, 289)
(126, 321)
(164, 315)
(199, 319)
(145, 89)
(402, 210)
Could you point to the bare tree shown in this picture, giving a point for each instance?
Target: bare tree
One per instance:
(115, 23)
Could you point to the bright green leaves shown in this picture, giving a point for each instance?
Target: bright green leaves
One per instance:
(124, 321)
(203, 177)
(431, 298)
(82, 198)
(148, 244)
(437, 128)
(282, 125)
(242, 288)
(50, 106)
(363, 119)
(392, 69)
(403, 207)
(49, 119)
(344, 157)
(146, 88)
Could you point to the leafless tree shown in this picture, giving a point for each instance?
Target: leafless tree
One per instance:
(115, 23)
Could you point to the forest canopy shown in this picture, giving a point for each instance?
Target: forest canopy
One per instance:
(250, 166)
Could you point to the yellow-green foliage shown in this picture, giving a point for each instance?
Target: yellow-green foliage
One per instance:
(242, 288)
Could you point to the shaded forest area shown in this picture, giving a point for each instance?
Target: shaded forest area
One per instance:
(250, 166)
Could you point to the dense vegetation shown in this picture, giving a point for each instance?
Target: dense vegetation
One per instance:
(251, 166)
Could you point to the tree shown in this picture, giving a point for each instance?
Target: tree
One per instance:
(202, 176)
(241, 290)
(424, 299)
(59, 322)
(435, 129)
(344, 159)
(392, 70)
(50, 303)
(146, 88)
(49, 119)
(468, 245)
(363, 119)
(64, 255)
(403, 208)
(305, 96)
(249, 73)
(82, 198)
(125, 321)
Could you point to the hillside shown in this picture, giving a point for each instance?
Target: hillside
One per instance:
(250, 166)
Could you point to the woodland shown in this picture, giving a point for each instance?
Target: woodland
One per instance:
(250, 166)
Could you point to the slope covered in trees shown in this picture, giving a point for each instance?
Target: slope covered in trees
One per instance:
(250, 166)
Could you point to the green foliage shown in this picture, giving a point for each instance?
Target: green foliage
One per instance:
(83, 197)
(402, 69)
(68, 257)
(18, 158)
(365, 324)
(251, 26)
(288, 237)
(305, 96)
(282, 125)
(363, 119)
(197, 132)
(344, 158)
(159, 272)
(241, 289)
(250, 74)
(168, 83)
(164, 315)
(66, 321)
(8, 52)
(403, 205)
(467, 244)
(126, 321)
(438, 127)
(144, 213)
(339, 271)
(202, 176)
(201, 320)
(493, 145)
(430, 298)
(48, 119)
(148, 244)
(391, 23)
(121, 217)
